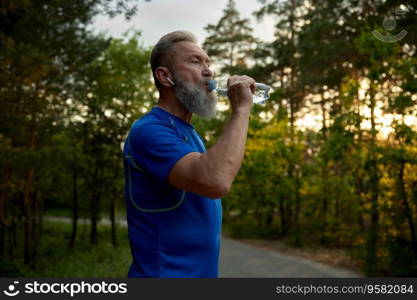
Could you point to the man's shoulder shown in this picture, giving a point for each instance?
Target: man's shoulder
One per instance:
(150, 119)
(151, 124)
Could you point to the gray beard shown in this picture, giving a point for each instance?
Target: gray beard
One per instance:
(194, 98)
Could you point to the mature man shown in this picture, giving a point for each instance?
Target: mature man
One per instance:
(173, 184)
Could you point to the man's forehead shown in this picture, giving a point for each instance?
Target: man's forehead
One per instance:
(187, 49)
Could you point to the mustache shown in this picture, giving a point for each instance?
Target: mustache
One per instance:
(204, 82)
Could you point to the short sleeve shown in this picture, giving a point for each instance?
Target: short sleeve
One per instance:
(157, 147)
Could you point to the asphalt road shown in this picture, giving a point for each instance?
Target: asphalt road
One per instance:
(239, 260)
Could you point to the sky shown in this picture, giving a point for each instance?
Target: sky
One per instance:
(158, 17)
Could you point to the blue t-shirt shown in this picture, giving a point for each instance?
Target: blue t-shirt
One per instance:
(172, 233)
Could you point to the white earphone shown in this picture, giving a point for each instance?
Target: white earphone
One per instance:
(170, 81)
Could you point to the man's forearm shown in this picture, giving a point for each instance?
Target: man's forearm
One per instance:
(224, 158)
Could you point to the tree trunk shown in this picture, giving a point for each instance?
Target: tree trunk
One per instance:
(4, 225)
(94, 216)
(372, 242)
(323, 215)
(297, 203)
(28, 217)
(4, 188)
(113, 207)
(2, 240)
(358, 191)
(29, 201)
(95, 201)
(38, 222)
(32, 219)
(12, 240)
(407, 209)
(284, 230)
(74, 205)
(113, 221)
(324, 175)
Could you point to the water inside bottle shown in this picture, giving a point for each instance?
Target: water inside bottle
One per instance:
(260, 96)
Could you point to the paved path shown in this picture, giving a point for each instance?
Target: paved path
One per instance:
(241, 260)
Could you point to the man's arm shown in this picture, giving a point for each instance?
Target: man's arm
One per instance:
(211, 173)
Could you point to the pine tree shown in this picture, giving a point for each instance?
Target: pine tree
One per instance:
(230, 41)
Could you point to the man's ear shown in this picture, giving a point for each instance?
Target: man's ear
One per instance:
(164, 76)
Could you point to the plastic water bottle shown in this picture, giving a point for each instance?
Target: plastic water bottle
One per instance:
(260, 96)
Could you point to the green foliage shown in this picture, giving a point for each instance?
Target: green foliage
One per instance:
(344, 184)
(68, 98)
(84, 260)
(246, 227)
(410, 85)
(401, 104)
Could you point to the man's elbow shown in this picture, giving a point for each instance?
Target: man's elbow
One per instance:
(219, 190)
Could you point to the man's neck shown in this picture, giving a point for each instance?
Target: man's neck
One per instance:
(173, 106)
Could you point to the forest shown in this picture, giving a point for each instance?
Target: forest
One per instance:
(331, 158)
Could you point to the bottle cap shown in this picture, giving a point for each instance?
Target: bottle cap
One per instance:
(212, 84)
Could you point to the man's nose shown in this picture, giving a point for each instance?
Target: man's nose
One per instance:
(208, 72)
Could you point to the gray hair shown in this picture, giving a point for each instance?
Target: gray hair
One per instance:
(160, 53)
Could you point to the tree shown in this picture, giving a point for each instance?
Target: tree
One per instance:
(230, 41)
(284, 70)
(44, 49)
(345, 184)
(118, 90)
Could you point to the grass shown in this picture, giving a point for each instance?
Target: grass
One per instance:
(55, 259)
